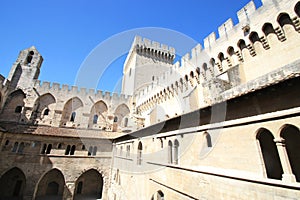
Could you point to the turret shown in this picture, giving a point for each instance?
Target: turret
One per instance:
(145, 62)
(26, 69)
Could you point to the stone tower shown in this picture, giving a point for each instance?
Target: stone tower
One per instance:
(145, 62)
(26, 69)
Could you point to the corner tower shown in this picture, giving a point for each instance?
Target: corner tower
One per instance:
(26, 69)
(145, 62)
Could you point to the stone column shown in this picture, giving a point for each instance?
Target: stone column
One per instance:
(287, 175)
(69, 190)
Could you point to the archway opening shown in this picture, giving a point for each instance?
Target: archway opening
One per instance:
(270, 154)
(89, 185)
(12, 184)
(51, 186)
(291, 134)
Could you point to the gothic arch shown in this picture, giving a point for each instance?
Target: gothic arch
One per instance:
(12, 184)
(13, 107)
(43, 108)
(51, 185)
(120, 112)
(98, 114)
(291, 135)
(71, 109)
(270, 154)
(89, 185)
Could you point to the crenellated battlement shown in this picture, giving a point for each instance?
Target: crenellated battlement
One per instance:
(235, 51)
(153, 49)
(146, 43)
(55, 88)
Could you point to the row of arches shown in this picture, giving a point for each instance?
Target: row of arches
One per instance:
(44, 110)
(234, 56)
(51, 185)
(282, 153)
(47, 148)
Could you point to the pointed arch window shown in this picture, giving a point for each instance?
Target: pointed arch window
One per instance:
(176, 152)
(170, 149)
(139, 153)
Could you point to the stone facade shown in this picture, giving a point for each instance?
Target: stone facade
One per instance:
(223, 123)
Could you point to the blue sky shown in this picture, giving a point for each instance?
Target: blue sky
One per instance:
(66, 31)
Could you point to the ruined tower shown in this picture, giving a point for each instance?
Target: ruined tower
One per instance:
(26, 69)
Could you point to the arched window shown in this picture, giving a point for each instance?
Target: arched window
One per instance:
(43, 151)
(170, 149)
(115, 119)
(95, 119)
(230, 51)
(270, 154)
(6, 142)
(59, 146)
(212, 62)
(94, 150)
(29, 57)
(291, 135)
(176, 154)
(79, 187)
(186, 78)
(284, 19)
(46, 111)
(73, 115)
(68, 150)
(21, 147)
(198, 70)
(18, 109)
(72, 152)
(49, 148)
(204, 67)
(208, 139)
(221, 57)
(83, 147)
(192, 74)
(160, 195)
(139, 153)
(297, 9)
(268, 29)
(15, 147)
(90, 151)
(241, 44)
(254, 37)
